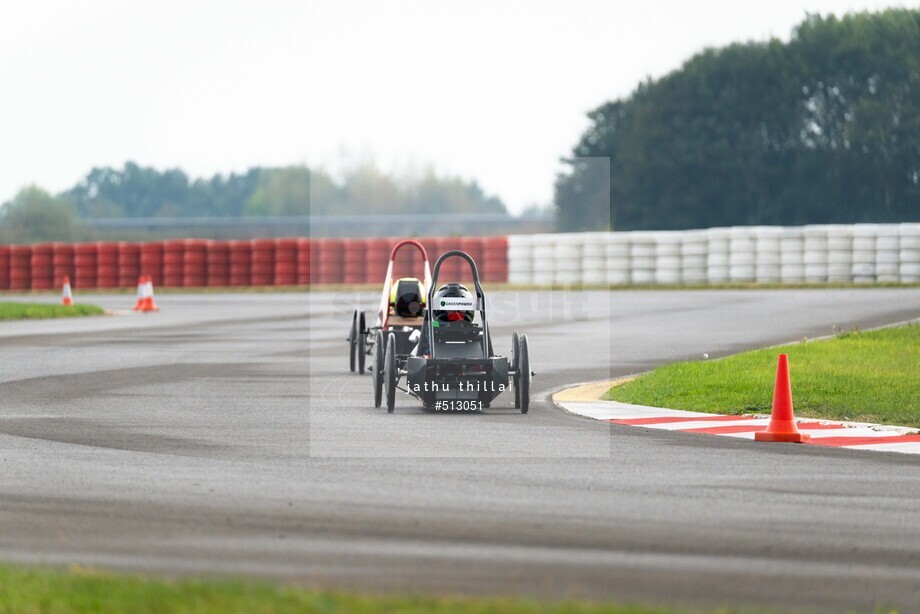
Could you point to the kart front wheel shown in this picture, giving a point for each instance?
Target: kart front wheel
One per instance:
(515, 366)
(389, 372)
(362, 340)
(377, 366)
(524, 374)
(353, 341)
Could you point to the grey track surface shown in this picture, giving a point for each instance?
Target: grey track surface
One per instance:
(224, 436)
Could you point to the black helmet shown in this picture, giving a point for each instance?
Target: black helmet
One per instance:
(453, 290)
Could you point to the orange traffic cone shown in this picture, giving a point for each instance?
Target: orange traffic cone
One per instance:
(66, 293)
(782, 420)
(149, 302)
(139, 304)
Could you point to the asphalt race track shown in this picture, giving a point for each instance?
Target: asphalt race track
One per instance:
(224, 435)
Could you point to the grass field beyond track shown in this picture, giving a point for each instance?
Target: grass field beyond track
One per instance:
(30, 311)
(859, 376)
(26, 591)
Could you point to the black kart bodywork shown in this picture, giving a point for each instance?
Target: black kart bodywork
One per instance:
(456, 367)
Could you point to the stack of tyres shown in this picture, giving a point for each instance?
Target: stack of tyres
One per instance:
(129, 264)
(195, 263)
(262, 267)
(693, 248)
(863, 254)
(792, 256)
(668, 265)
(218, 264)
(542, 248)
(718, 242)
(285, 262)
(106, 264)
(173, 263)
(42, 266)
(619, 264)
(495, 259)
(815, 254)
(4, 267)
(520, 259)
(329, 262)
(377, 259)
(741, 252)
(20, 267)
(839, 253)
(240, 263)
(303, 261)
(767, 254)
(84, 266)
(887, 253)
(909, 258)
(151, 261)
(353, 261)
(642, 257)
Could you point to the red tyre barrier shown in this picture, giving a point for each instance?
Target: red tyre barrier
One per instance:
(20, 267)
(129, 264)
(378, 256)
(195, 263)
(106, 265)
(454, 269)
(303, 261)
(495, 259)
(329, 260)
(4, 267)
(42, 266)
(262, 268)
(218, 263)
(240, 261)
(173, 263)
(62, 262)
(354, 261)
(84, 265)
(285, 262)
(151, 261)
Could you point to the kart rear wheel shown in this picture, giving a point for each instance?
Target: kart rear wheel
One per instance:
(515, 360)
(389, 372)
(362, 340)
(377, 366)
(524, 374)
(353, 341)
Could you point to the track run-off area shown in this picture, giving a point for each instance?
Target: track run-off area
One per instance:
(225, 436)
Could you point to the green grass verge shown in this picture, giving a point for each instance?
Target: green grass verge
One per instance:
(33, 311)
(860, 376)
(26, 590)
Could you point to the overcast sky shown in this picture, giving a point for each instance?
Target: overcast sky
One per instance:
(493, 91)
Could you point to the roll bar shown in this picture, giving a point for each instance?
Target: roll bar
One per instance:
(383, 311)
(480, 300)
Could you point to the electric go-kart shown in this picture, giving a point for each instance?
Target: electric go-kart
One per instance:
(401, 311)
(453, 366)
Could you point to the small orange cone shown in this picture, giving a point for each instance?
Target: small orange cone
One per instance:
(149, 302)
(782, 420)
(66, 293)
(139, 305)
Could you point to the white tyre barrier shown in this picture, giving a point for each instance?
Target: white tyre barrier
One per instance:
(815, 254)
(619, 264)
(667, 258)
(792, 255)
(863, 267)
(887, 253)
(567, 255)
(839, 253)
(767, 261)
(719, 242)
(520, 259)
(741, 255)
(693, 249)
(642, 257)
(909, 254)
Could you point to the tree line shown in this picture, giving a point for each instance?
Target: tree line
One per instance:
(822, 129)
(134, 191)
